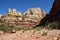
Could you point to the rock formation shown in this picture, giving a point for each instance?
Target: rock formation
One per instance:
(13, 12)
(55, 8)
(29, 19)
(35, 11)
(34, 15)
(55, 11)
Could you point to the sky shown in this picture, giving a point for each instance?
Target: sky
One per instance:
(23, 5)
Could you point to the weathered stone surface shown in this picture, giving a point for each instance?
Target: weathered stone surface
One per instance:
(13, 12)
(34, 15)
(29, 19)
(38, 12)
(55, 8)
(55, 11)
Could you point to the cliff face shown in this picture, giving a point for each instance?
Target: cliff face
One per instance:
(55, 10)
(29, 19)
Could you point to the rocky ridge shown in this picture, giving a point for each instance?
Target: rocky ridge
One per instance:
(29, 19)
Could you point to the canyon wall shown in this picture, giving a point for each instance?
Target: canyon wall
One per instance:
(55, 10)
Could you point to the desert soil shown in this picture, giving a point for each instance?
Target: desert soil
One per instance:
(31, 35)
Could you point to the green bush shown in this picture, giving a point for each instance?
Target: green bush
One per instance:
(37, 28)
(7, 28)
(52, 25)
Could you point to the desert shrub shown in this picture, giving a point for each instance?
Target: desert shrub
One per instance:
(37, 28)
(44, 33)
(7, 28)
(52, 25)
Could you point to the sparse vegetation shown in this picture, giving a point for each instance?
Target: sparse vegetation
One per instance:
(52, 25)
(37, 28)
(49, 25)
(44, 33)
(7, 28)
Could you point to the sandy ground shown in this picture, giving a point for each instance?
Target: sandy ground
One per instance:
(32, 35)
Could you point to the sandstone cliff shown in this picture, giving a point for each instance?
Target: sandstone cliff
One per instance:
(29, 19)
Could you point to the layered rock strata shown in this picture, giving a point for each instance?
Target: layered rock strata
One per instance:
(29, 19)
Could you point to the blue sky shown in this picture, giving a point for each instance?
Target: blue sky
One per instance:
(23, 5)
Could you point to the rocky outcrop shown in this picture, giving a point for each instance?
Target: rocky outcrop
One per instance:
(35, 11)
(29, 19)
(12, 12)
(34, 16)
(55, 10)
